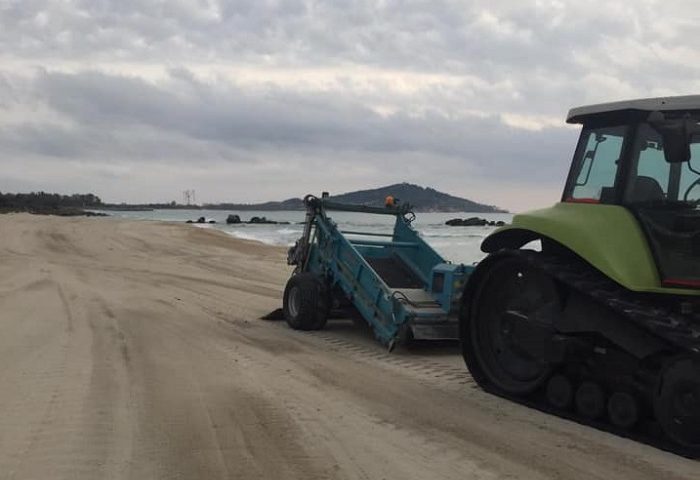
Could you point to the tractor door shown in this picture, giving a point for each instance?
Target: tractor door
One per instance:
(594, 171)
(665, 198)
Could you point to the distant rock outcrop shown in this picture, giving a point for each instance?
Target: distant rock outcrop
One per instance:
(201, 220)
(264, 220)
(236, 219)
(473, 222)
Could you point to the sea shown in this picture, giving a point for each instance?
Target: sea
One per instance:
(455, 244)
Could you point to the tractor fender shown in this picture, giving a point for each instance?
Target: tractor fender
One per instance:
(608, 237)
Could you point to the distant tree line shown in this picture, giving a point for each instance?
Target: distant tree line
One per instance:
(148, 206)
(43, 200)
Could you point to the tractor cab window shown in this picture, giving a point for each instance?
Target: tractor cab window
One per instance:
(650, 180)
(690, 175)
(596, 165)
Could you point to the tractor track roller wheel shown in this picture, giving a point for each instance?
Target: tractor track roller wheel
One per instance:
(590, 400)
(511, 294)
(560, 392)
(677, 402)
(306, 302)
(623, 410)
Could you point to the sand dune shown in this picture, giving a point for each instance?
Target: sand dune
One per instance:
(133, 350)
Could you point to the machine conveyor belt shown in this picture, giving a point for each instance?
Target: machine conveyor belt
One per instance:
(394, 272)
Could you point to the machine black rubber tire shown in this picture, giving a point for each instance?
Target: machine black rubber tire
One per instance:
(677, 402)
(306, 302)
(496, 359)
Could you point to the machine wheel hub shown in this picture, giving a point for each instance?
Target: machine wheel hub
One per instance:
(560, 392)
(590, 400)
(294, 301)
(676, 402)
(623, 410)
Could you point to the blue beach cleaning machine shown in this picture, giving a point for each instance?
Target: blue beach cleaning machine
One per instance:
(394, 281)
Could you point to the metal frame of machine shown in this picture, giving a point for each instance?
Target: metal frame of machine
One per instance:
(397, 283)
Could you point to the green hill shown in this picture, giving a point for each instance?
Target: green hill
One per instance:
(423, 200)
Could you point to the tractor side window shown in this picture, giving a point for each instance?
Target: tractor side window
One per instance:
(652, 164)
(596, 166)
(651, 173)
(690, 174)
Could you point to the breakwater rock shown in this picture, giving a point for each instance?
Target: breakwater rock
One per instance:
(236, 219)
(473, 222)
(201, 220)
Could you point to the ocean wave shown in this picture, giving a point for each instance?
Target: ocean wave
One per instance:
(257, 238)
(453, 243)
(453, 235)
(289, 231)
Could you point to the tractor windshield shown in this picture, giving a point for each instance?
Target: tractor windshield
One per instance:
(665, 197)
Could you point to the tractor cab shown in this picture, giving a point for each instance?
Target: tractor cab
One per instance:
(644, 155)
(614, 284)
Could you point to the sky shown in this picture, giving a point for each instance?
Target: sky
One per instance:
(255, 100)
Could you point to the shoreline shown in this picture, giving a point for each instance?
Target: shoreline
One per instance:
(58, 212)
(209, 229)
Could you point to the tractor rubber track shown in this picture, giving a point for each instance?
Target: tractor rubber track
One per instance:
(682, 331)
(647, 432)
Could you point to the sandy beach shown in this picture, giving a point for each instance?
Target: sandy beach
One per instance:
(132, 349)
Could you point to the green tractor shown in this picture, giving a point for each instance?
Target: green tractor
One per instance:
(592, 306)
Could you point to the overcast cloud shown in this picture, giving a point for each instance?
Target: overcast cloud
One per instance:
(258, 100)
